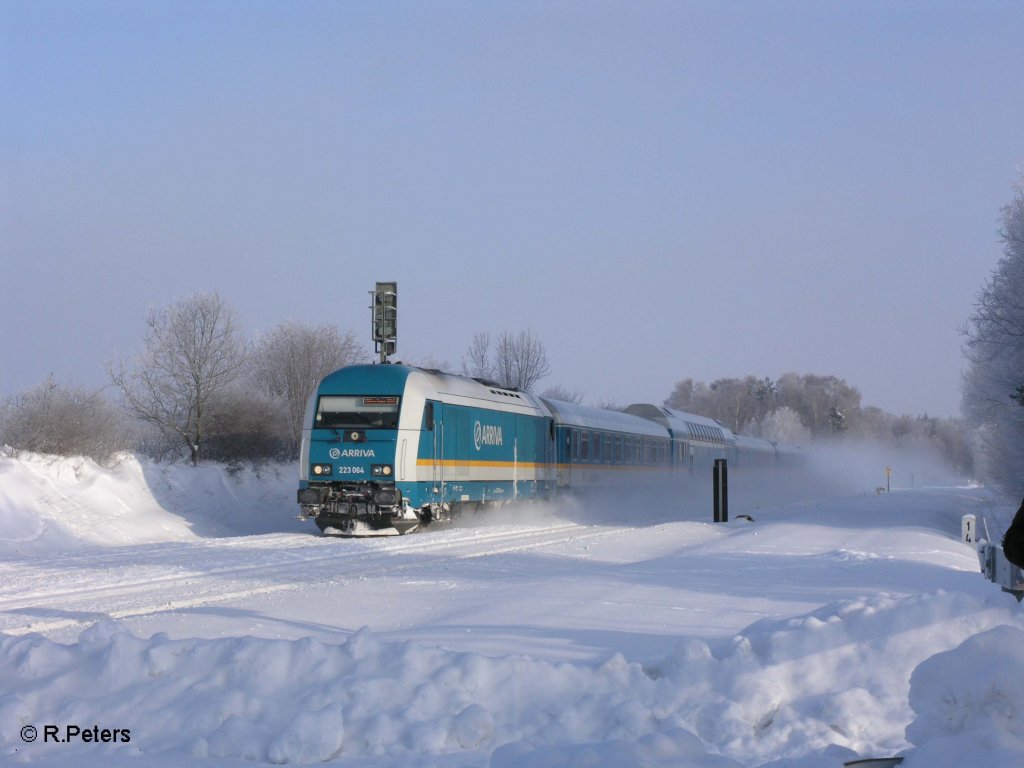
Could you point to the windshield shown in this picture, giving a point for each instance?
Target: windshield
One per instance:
(357, 411)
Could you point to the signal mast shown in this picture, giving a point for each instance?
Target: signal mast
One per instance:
(384, 312)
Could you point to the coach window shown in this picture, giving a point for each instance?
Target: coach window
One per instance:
(597, 447)
(585, 446)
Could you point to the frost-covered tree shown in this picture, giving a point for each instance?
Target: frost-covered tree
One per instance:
(782, 426)
(826, 404)
(290, 360)
(63, 420)
(734, 402)
(246, 425)
(993, 385)
(192, 353)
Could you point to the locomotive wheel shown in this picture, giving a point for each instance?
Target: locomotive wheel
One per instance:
(335, 527)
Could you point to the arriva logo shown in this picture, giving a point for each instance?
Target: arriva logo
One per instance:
(486, 434)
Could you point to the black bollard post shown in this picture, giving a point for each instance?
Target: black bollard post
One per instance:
(720, 479)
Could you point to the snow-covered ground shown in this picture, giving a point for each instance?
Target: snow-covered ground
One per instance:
(180, 616)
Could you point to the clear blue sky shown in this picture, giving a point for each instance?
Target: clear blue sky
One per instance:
(659, 190)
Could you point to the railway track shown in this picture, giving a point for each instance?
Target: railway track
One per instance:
(61, 593)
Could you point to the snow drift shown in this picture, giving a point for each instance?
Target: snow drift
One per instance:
(919, 655)
(832, 684)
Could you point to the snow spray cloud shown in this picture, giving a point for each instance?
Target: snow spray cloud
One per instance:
(823, 469)
(851, 466)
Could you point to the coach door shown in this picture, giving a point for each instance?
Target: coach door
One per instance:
(450, 460)
(549, 473)
(433, 446)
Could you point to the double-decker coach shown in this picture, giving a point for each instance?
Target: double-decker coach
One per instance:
(597, 449)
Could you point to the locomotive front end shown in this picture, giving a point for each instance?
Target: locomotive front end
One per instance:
(348, 456)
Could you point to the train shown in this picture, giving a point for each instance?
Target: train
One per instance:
(394, 447)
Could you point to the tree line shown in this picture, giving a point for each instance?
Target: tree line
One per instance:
(197, 389)
(798, 409)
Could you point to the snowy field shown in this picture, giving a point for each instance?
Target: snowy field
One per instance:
(170, 616)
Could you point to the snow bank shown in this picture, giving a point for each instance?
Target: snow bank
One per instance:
(969, 703)
(50, 503)
(818, 689)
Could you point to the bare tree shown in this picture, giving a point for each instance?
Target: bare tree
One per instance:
(477, 361)
(520, 360)
(192, 353)
(290, 361)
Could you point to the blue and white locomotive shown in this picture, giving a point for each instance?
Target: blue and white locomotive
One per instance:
(395, 447)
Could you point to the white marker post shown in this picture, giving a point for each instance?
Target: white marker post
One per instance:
(968, 530)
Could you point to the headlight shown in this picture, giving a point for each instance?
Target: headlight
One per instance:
(321, 469)
(381, 470)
